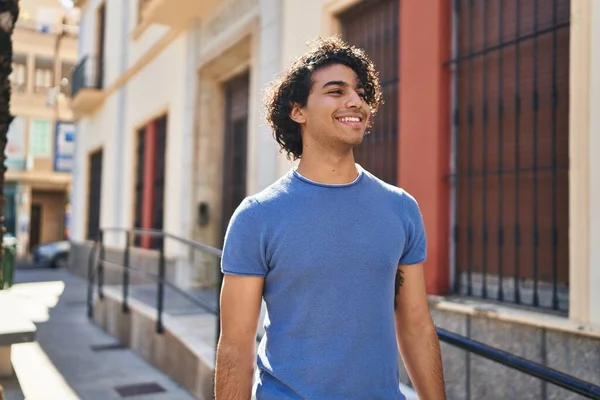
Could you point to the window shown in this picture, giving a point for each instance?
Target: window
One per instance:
(44, 74)
(511, 124)
(18, 76)
(373, 26)
(150, 181)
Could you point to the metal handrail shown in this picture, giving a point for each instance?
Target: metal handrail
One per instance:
(199, 302)
(159, 233)
(528, 367)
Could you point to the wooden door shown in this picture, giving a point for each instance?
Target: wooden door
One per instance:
(235, 154)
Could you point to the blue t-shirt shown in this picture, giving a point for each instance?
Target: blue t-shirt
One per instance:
(329, 255)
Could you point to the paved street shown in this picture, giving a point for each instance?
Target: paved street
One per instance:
(64, 363)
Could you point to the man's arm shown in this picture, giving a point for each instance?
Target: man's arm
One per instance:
(240, 310)
(417, 338)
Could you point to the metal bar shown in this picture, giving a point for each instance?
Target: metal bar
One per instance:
(155, 232)
(468, 361)
(197, 301)
(531, 368)
(508, 171)
(126, 272)
(160, 298)
(508, 43)
(484, 158)
(455, 158)
(555, 301)
(470, 156)
(517, 105)
(500, 237)
(536, 107)
(100, 267)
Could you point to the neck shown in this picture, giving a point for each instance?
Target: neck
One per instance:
(327, 168)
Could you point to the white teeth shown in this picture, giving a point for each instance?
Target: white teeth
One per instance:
(349, 119)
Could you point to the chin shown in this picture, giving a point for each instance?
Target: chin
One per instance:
(353, 142)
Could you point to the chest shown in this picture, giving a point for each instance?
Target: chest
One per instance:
(331, 241)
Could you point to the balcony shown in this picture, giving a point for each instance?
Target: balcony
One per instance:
(87, 92)
(174, 13)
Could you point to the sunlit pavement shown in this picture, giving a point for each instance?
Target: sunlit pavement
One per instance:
(61, 364)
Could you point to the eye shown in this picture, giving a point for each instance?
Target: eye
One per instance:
(362, 95)
(335, 91)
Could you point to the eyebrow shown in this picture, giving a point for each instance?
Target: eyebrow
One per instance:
(340, 83)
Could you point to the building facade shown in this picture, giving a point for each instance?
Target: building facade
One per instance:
(489, 114)
(168, 100)
(41, 138)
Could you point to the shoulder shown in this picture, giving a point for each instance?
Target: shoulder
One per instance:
(399, 197)
(256, 207)
(275, 194)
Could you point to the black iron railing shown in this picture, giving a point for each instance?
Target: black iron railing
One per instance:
(97, 261)
(531, 368)
(88, 74)
(96, 265)
(510, 140)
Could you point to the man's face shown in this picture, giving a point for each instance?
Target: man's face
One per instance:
(336, 112)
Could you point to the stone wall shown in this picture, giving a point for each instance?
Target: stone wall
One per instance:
(189, 363)
(470, 377)
(144, 261)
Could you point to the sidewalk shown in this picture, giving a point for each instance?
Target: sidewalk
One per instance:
(72, 358)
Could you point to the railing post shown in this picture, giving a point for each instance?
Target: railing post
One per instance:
(100, 268)
(161, 286)
(90, 288)
(126, 272)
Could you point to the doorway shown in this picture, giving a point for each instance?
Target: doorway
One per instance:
(35, 226)
(235, 154)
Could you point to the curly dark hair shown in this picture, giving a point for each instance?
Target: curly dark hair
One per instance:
(295, 84)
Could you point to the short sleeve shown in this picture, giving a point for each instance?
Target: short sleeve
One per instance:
(415, 248)
(243, 249)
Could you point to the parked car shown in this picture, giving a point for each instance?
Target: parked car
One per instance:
(53, 254)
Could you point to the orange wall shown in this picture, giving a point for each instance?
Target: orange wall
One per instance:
(424, 129)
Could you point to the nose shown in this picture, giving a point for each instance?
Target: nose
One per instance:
(354, 100)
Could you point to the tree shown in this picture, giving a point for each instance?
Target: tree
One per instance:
(9, 13)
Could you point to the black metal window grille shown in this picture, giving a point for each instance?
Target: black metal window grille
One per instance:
(94, 194)
(510, 177)
(235, 153)
(373, 26)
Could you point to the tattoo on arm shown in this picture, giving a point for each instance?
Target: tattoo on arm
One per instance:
(399, 282)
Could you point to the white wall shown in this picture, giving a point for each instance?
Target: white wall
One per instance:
(161, 86)
(121, 23)
(92, 134)
(594, 164)
(139, 46)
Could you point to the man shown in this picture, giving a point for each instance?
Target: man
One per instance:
(327, 246)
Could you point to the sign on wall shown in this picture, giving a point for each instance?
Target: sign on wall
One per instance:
(64, 146)
(40, 138)
(15, 145)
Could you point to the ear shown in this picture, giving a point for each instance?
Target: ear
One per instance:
(297, 114)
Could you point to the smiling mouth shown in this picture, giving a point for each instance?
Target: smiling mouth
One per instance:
(350, 119)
